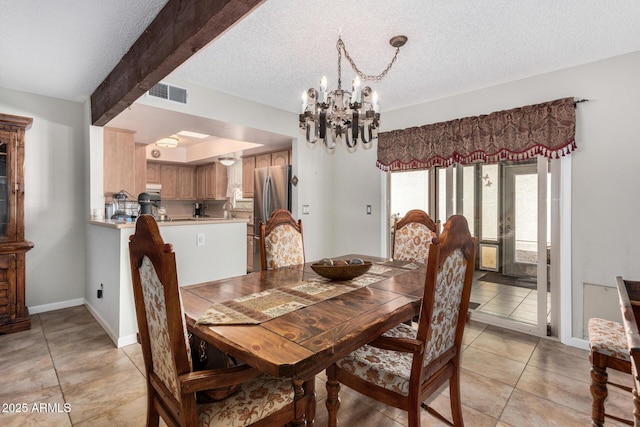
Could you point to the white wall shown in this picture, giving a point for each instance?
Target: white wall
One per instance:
(605, 196)
(55, 198)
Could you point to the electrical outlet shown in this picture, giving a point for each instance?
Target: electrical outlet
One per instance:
(305, 209)
(100, 290)
(200, 239)
(368, 209)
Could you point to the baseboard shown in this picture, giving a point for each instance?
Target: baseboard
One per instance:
(102, 322)
(56, 306)
(128, 340)
(118, 341)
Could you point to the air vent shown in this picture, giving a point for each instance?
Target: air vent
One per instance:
(172, 93)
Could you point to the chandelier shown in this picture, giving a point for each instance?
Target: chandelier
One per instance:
(341, 115)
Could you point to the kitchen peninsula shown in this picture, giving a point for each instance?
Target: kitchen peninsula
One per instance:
(206, 249)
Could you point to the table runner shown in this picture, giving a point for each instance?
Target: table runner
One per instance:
(266, 305)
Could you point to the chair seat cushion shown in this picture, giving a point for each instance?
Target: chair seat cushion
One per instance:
(608, 338)
(385, 368)
(254, 400)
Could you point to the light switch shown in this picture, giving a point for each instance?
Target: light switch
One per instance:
(368, 209)
(305, 209)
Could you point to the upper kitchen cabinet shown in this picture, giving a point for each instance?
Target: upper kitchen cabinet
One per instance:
(250, 163)
(280, 158)
(153, 173)
(248, 166)
(211, 182)
(124, 163)
(178, 182)
(263, 160)
(186, 183)
(140, 184)
(169, 181)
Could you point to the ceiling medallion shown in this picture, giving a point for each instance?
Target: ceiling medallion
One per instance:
(344, 115)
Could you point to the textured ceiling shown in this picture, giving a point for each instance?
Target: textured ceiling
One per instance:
(65, 48)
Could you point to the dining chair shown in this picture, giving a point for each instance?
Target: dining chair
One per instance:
(413, 235)
(607, 350)
(172, 383)
(404, 366)
(281, 242)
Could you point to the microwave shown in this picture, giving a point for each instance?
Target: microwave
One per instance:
(153, 190)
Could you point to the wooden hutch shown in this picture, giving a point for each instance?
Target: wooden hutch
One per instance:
(14, 315)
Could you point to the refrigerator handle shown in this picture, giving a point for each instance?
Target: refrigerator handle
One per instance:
(267, 199)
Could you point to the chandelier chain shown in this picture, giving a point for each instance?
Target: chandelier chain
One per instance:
(364, 77)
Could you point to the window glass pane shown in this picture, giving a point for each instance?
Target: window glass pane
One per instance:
(490, 185)
(442, 194)
(468, 196)
(409, 190)
(526, 218)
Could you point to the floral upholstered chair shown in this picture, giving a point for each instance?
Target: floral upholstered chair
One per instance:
(171, 382)
(281, 241)
(403, 366)
(413, 235)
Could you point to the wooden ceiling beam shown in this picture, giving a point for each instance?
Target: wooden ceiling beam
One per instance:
(180, 30)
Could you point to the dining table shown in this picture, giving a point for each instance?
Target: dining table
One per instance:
(317, 321)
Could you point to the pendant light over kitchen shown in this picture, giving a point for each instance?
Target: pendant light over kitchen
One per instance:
(168, 142)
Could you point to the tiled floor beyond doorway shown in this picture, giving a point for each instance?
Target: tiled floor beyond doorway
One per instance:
(513, 302)
(508, 379)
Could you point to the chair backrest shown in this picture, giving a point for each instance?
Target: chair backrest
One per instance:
(162, 331)
(447, 290)
(281, 242)
(413, 235)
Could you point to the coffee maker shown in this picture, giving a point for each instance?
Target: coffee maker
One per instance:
(119, 206)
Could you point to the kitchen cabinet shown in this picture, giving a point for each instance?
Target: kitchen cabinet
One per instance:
(169, 181)
(178, 182)
(119, 162)
(153, 173)
(140, 168)
(250, 243)
(220, 184)
(186, 183)
(250, 163)
(248, 166)
(263, 160)
(201, 182)
(14, 315)
(280, 158)
(211, 182)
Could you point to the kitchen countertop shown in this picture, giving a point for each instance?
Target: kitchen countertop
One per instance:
(175, 222)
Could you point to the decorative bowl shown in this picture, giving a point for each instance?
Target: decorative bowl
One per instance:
(341, 272)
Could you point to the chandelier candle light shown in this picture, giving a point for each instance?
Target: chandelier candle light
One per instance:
(344, 115)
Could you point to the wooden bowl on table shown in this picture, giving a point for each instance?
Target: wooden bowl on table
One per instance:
(340, 270)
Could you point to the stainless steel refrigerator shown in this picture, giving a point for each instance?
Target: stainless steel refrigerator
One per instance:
(271, 191)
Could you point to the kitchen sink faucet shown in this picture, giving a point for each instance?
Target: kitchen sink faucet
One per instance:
(228, 211)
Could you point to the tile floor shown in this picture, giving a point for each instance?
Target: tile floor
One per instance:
(513, 302)
(508, 379)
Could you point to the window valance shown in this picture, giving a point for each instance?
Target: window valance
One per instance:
(546, 129)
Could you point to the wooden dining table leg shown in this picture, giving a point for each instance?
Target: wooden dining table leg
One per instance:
(305, 397)
(332, 402)
(310, 391)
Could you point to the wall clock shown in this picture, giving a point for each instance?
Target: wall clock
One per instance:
(155, 153)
